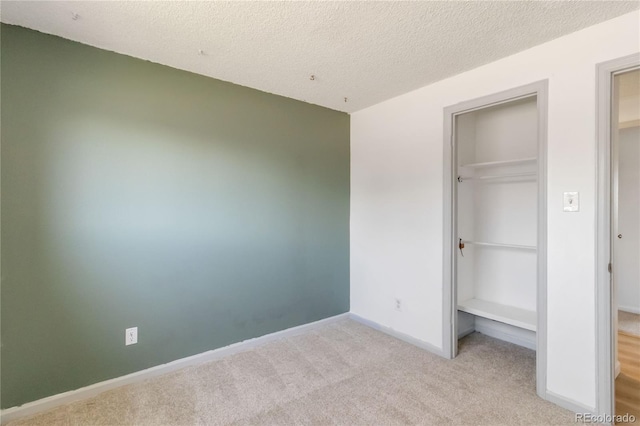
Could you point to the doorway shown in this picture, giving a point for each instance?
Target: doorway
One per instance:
(618, 238)
(625, 245)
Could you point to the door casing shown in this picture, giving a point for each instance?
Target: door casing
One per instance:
(538, 89)
(605, 309)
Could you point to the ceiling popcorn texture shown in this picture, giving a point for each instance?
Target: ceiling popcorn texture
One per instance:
(359, 53)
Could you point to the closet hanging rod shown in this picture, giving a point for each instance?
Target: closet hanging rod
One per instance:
(514, 162)
(487, 177)
(514, 246)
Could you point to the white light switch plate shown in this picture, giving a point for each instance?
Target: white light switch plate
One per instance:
(571, 201)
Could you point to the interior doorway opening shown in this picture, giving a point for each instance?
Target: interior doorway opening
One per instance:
(625, 241)
(607, 123)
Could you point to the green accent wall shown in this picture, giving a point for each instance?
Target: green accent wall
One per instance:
(135, 194)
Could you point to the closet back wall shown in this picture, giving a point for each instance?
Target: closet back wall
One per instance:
(134, 194)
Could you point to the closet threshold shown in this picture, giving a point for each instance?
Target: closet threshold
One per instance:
(502, 313)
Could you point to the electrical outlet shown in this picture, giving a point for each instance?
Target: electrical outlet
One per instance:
(131, 336)
(398, 305)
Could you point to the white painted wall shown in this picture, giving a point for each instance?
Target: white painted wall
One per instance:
(397, 197)
(627, 249)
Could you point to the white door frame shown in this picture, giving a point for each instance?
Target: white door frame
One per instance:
(450, 317)
(605, 338)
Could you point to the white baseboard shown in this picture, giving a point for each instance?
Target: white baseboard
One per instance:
(617, 369)
(630, 309)
(508, 333)
(50, 402)
(465, 331)
(398, 335)
(466, 324)
(567, 403)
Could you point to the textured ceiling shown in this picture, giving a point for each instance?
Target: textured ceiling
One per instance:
(364, 51)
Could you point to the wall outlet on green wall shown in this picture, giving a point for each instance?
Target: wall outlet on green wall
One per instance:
(131, 336)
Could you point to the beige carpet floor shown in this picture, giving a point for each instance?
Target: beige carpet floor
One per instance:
(629, 323)
(344, 373)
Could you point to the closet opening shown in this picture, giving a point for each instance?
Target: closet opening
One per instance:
(495, 220)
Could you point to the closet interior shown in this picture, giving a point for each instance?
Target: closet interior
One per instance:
(496, 193)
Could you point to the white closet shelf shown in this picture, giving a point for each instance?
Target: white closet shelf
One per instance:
(502, 313)
(516, 162)
(513, 246)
